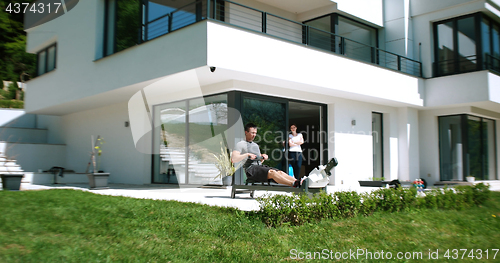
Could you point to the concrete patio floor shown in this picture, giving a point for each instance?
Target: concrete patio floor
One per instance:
(216, 196)
(210, 196)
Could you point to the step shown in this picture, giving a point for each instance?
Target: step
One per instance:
(23, 135)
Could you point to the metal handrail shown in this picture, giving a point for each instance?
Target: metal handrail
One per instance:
(262, 22)
(490, 63)
(418, 66)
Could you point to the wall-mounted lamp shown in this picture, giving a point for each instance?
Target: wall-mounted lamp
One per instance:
(353, 122)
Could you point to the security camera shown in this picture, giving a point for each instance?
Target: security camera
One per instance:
(212, 69)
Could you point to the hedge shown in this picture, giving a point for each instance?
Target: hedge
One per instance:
(297, 209)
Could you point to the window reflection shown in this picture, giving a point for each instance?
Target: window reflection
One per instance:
(190, 133)
(467, 148)
(458, 48)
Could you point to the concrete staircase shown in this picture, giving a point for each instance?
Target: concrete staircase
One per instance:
(9, 166)
(25, 138)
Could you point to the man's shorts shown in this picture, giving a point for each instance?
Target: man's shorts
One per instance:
(258, 173)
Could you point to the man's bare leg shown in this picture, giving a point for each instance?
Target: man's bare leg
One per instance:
(280, 177)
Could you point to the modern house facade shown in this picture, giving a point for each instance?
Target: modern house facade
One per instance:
(399, 89)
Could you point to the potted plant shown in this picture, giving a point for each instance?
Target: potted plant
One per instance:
(11, 173)
(470, 178)
(97, 178)
(225, 166)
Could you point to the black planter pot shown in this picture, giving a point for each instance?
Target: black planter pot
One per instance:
(227, 180)
(371, 183)
(11, 181)
(98, 180)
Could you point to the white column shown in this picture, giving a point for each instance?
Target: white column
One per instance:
(409, 164)
(398, 27)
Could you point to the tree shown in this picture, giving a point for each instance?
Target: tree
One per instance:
(14, 59)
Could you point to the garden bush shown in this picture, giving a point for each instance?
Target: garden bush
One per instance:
(297, 209)
(17, 104)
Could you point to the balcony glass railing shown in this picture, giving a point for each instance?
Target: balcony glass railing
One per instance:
(466, 64)
(492, 63)
(252, 19)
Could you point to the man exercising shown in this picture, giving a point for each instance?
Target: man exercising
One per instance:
(249, 151)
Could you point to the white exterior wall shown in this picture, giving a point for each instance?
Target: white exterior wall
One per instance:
(32, 157)
(398, 28)
(69, 83)
(353, 146)
(119, 156)
(247, 52)
(16, 118)
(408, 144)
(44, 128)
(53, 126)
(369, 10)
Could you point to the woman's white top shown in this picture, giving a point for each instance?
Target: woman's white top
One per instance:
(296, 139)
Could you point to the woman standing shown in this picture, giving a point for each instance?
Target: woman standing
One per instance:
(295, 152)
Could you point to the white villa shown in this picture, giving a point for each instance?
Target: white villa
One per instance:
(399, 89)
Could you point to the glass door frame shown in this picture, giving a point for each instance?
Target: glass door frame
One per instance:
(381, 136)
(465, 141)
(235, 101)
(156, 128)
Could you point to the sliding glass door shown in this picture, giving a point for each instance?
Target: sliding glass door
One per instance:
(467, 148)
(191, 131)
(270, 116)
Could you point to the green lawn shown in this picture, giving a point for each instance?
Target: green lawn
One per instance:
(76, 226)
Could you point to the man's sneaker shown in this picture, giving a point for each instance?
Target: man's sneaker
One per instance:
(298, 183)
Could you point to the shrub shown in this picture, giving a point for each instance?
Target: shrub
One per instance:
(11, 104)
(297, 209)
(348, 203)
(369, 203)
(481, 193)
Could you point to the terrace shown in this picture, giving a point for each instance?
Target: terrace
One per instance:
(158, 19)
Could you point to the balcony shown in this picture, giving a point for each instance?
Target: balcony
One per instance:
(467, 64)
(249, 18)
(466, 44)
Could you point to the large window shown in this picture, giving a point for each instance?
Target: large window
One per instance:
(128, 23)
(46, 60)
(189, 132)
(467, 148)
(122, 24)
(378, 145)
(465, 44)
(352, 38)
